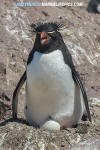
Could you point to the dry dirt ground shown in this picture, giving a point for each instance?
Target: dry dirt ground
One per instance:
(82, 37)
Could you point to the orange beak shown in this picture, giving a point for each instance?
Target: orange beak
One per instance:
(44, 37)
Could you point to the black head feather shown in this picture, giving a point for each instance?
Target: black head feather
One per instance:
(47, 27)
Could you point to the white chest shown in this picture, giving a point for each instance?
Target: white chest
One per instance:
(50, 87)
(48, 68)
(49, 72)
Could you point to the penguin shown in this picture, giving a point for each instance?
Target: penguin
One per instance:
(55, 95)
(94, 6)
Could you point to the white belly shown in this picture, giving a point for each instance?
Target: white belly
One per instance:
(50, 90)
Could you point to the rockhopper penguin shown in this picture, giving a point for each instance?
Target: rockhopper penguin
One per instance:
(94, 6)
(55, 95)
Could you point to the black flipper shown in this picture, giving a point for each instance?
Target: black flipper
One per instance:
(77, 79)
(15, 95)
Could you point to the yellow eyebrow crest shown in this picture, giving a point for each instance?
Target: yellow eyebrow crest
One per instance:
(47, 32)
(51, 32)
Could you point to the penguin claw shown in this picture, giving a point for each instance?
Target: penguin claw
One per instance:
(84, 117)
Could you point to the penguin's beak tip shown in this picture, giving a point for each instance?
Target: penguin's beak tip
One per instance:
(44, 37)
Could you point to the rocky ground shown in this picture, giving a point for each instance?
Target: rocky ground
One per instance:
(82, 37)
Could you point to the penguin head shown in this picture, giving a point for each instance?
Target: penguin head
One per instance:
(46, 35)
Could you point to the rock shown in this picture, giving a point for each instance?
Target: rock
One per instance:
(18, 135)
(90, 144)
(2, 68)
(13, 63)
